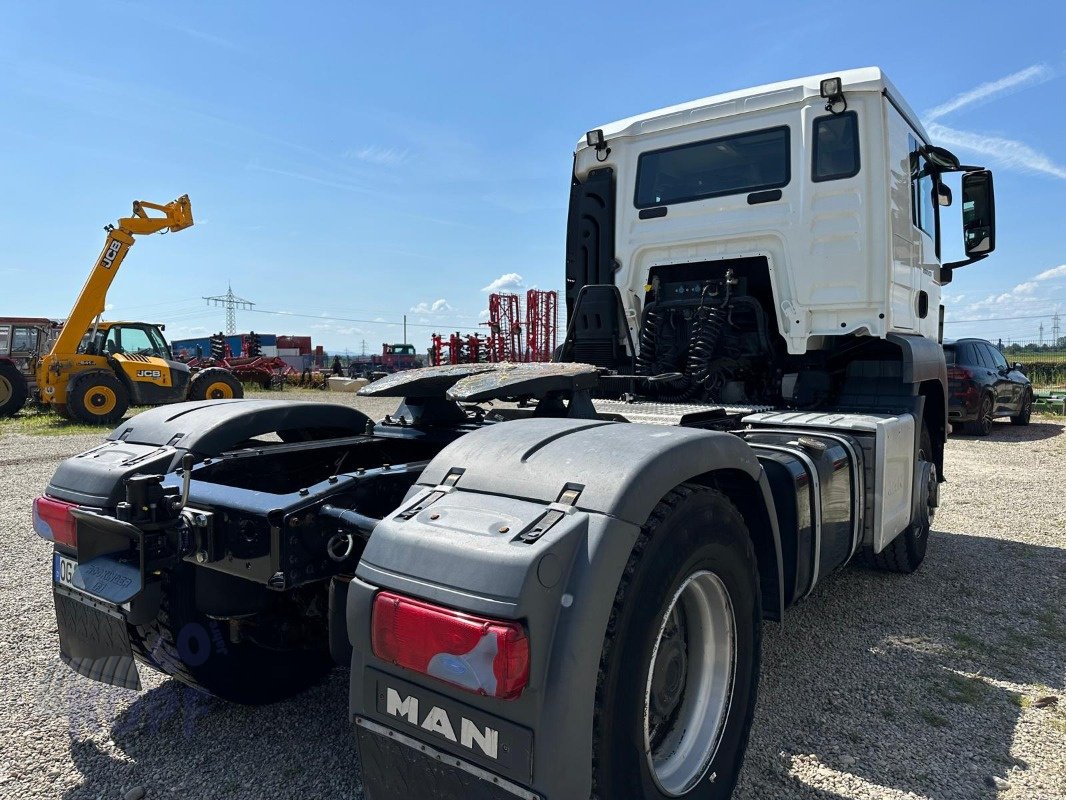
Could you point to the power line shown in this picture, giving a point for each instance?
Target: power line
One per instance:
(439, 325)
(1000, 319)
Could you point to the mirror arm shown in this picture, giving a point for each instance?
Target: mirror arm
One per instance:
(964, 262)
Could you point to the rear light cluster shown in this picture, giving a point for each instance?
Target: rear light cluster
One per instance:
(53, 521)
(959, 373)
(484, 656)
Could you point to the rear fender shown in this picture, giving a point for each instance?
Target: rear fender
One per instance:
(461, 543)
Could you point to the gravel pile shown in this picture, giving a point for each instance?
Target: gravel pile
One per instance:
(929, 686)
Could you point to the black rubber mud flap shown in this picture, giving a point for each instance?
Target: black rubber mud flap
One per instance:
(395, 767)
(95, 643)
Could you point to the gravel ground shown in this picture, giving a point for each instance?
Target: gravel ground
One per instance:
(887, 687)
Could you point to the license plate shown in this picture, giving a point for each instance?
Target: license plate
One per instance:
(63, 571)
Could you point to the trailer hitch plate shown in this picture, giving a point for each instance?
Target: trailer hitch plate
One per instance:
(424, 382)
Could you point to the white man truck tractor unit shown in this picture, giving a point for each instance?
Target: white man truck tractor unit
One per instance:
(563, 598)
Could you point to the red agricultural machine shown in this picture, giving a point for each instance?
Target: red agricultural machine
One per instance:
(251, 366)
(512, 336)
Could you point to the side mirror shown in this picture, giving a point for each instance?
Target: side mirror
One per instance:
(943, 194)
(1019, 367)
(978, 213)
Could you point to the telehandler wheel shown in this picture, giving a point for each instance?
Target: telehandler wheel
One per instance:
(907, 551)
(13, 389)
(215, 383)
(197, 650)
(679, 668)
(97, 398)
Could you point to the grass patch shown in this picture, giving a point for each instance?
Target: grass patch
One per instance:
(964, 641)
(935, 720)
(960, 689)
(40, 422)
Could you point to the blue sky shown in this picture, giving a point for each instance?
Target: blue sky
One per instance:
(359, 161)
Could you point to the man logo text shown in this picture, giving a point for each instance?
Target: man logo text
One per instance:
(437, 721)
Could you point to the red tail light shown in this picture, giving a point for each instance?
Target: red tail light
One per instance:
(959, 373)
(484, 656)
(52, 520)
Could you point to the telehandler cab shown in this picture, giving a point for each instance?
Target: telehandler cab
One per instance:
(95, 369)
(564, 598)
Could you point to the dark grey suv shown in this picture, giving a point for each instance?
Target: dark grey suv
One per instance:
(982, 387)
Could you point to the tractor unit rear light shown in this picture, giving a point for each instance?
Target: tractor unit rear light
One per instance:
(53, 521)
(485, 656)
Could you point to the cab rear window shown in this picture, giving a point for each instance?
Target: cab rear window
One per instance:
(836, 147)
(746, 162)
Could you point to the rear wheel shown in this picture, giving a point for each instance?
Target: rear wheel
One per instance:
(1026, 410)
(215, 383)
(97, 398)
(982, 426)
(197, 650)
(680, 662)
(13, 389)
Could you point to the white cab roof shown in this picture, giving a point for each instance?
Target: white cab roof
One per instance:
(866, 79)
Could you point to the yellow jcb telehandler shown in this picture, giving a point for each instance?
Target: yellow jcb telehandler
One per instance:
(95, 369)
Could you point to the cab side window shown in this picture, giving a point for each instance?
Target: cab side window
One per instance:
(923, 206)
(836, 147)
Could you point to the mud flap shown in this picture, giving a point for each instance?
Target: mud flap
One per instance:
(396, 767)
(95, 642)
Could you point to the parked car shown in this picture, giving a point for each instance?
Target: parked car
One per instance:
(982, 387)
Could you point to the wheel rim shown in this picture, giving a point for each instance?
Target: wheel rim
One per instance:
(219, 390)
(6, 390)
(1027, 405)
(101, 400)
(986, 413)
(690, 684)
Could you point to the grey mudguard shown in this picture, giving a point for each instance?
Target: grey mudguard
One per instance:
(210, 427)
(154, 441)
(625, 468)
(464, 550)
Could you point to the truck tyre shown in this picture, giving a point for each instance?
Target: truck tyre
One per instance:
(907, 551)
(982, 426)
(196, 649)
(1026, 410)
(97, 398)
(679, 668)
(13, 389)
(215, 383)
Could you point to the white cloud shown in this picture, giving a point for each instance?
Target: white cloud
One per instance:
(1008, 153)
(1023, 295)
(108, 306)
(1038, 73)
(436, 307)
(509, 280)
(381, 156)
(1054, 272)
